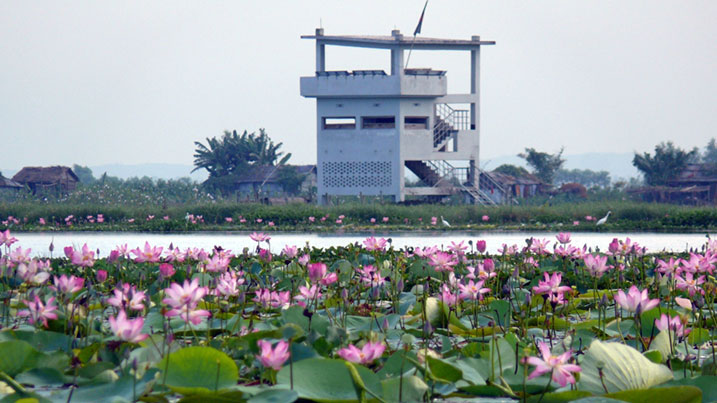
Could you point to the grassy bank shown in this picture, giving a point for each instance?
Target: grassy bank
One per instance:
(626, 216)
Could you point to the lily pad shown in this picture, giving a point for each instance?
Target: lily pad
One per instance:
(197, 369)
(623, 368)
(328, 380)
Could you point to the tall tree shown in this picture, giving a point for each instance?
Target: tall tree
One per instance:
(225, 157)
(84, 174)
(709, 156)
(544, 165)
(666, 164)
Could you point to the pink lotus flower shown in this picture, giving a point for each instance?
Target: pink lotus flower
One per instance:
(41, 221)
(447, 296)
(150, 254)
(558, 365)
(228, 283)
(576, 223)
(317, 271)
(127, 297)
(690, 284)
(85, 258)
(166, 270)
(273, 358)
(259, 237)
(473, 291)
(38, 312)
(442, 261)
(33, 272)
(304, 259)
(459, 249)
(372, 220)
(366, 355)
(100, 218)
(228, 219)
(272, 299)
(307, 294)
(217, 263)
(636, 300)
(481, 246)
(596, 265)
(385, 219)
(373, 244)
(68, 285)
(434, 220)
(312, 219)
(187, 295)
(101, 276)
(539, 246)
(673, 324)
(563, 237)
(129, 330)
(551, 285)
(485, 218)
(290, 252)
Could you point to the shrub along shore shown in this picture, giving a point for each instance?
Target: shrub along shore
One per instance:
(226, 216)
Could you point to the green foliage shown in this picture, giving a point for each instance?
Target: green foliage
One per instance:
(512, 170)
(83, 173)
(545, 166)
(666, 164)
(199, 370)
(290, 179)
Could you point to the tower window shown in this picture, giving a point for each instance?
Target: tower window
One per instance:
(378, 122)
(339, 123)
(415, 122)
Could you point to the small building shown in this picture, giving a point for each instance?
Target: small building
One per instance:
(512, 187)
(47, 179)
(695, 185)
(265, 181)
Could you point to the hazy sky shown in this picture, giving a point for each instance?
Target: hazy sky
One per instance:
(99, 82)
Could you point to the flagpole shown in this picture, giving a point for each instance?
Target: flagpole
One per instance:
(416, 32)
(408, 58)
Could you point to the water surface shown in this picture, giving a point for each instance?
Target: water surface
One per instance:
(106, 241)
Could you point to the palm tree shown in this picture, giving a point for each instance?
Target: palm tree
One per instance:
(227, 156)
(667, 163)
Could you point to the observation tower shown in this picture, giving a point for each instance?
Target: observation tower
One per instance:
(371, 125)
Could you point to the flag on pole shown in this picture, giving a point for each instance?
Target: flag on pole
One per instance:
(420, 20)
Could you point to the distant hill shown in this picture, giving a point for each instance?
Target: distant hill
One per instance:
(619, 165)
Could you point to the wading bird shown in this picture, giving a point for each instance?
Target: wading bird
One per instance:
(604, 219)
(445, 222)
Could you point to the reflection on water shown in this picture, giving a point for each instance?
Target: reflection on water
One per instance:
(104, 241)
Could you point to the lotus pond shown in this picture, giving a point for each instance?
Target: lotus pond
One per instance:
(541, 321)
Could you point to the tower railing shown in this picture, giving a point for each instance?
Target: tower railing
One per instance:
(448, 122)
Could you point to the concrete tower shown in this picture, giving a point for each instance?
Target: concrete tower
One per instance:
(371, 125)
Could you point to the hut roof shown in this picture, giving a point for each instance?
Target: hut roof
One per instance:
(46, 175)
(9, 183)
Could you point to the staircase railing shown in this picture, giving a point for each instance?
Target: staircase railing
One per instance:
(448, 121)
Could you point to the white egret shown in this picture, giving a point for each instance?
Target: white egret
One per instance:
(604, 219)
(445, 222)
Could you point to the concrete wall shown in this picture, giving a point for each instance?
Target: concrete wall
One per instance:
(358, 161)
(373, 86)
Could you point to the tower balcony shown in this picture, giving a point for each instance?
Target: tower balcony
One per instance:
(375, 83)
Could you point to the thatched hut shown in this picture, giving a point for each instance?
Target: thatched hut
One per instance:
(6, 183)
(40, 179)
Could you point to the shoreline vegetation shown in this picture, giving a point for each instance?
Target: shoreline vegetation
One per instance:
(226, 216)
